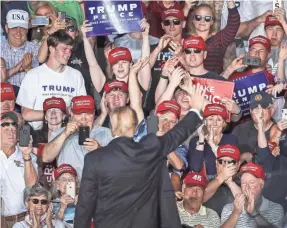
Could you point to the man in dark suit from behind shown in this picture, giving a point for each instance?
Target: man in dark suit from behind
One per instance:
(120, 185)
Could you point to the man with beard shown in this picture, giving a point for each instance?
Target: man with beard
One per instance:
(53, 78)
(191, 211)
(250, 209)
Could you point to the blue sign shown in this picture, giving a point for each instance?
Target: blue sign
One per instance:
(113, 17)
(247, 85)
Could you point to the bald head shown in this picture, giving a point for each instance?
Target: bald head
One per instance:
(123, 121)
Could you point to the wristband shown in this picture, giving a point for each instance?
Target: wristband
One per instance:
(198, 143)
(27, 160)
(164, 77)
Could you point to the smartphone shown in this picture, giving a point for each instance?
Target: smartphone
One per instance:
(71, 189)
(62, 16)
(40, 21)
(281, 94)
(277, 4)
(84, 133)
(152, 124)
(284, 114)
(24, 135)
(251, 60)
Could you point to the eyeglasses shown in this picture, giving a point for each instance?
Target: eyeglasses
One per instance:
(7, 124)
(206, 18)
(173, 22)
(71, 28)
(66, 180)
(194, 50)
(37, 201)
(221, 161)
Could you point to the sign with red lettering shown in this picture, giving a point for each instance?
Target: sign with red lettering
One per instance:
(215, 90)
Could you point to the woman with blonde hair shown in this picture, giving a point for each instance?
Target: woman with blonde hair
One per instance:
(201, 23)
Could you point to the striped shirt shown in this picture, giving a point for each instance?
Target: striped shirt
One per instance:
(13, 56)
(206, 217)
(270, 211)
(217, 44)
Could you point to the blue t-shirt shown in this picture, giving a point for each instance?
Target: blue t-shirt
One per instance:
(69, 212)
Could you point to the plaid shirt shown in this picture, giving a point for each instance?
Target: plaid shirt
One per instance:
(181, 151)
(13, 56)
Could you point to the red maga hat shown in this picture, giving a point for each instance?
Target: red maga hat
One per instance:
(228, 151)
(54, 102)
(193, 179)
(82, 104)
(119, 53)
(169, 106)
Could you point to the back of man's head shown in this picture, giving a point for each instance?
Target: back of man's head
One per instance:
(123, 121)
(60, 37)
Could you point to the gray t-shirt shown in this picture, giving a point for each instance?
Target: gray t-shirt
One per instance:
(72, 153)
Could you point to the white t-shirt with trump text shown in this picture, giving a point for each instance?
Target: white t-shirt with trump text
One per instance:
(42, 82)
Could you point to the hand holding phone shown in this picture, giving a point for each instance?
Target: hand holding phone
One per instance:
(152, 124)
(71, 189)
(84, 133)
(24, 135)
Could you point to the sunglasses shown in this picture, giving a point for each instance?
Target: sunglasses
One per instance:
(36, 201)
(221, 161)
(169, 22)
(189, 51)
(7, 124)
(206, 18)
(71, 28)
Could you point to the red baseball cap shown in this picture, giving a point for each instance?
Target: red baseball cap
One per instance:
(260, 40)
(54, 102)
(254, 169)
(271, 20)
(115, 84)
(228, 151)
(169, 106)
(82, 104)
(193, 179)
(64, 168)
(194, 42)
(7, 92)
(172, 12)
(215, 109)
(119, 53)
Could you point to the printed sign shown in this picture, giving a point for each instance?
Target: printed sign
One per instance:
(246, 86)
(215, 90)
(113, 17)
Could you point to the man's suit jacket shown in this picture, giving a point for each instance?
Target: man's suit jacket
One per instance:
(121, 183)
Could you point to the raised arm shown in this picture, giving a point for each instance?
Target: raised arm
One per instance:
(144, 76)
(88, 195)
(134, 90)
(282, 62)
(53, 148)
(188, 125)
(165, 91)
(55, 26)
(97, 75)
(163, 42)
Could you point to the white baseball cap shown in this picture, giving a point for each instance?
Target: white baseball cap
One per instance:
(17, 18)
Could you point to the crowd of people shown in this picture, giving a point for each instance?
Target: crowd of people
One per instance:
(57, 83)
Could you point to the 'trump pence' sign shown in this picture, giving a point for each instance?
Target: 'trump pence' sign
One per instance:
(113, 17)
(246, 86)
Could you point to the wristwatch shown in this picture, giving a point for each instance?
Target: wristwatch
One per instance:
(164, 77)
(26, 160)
(200, 143)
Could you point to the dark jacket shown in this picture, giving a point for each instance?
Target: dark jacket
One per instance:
(122, 183)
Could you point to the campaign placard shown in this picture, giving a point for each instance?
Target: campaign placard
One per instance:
(246, 86)
(113, 17)
(215, 90)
